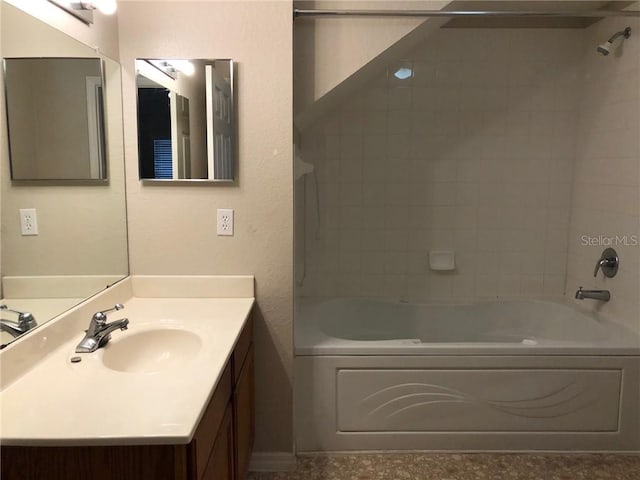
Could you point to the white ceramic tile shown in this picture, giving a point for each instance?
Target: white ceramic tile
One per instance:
(531, 285)
(396, 240)
(372, 263)
(375, 122)
(373, 240)
(509, 284)
(395, 262)
(463, 286)
(417, 263)
(477, 155)
(400, 98)
(351, 123)
(372, 285)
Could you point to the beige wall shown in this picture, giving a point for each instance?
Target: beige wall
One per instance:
(172, 228)
(606, 185)
(81, 228)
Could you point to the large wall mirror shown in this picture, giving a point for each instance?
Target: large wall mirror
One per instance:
(186, 122)
(81, 243)
(39, 93)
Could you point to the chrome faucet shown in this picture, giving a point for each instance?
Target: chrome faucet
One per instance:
(26, 321)
(99, 331)
(603, 295)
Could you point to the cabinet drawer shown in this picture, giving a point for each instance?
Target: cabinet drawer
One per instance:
(205, 435)
(242, 347)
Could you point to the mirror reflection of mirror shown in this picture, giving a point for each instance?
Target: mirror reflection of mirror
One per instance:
(55, 117)
(77, 243)
(185, 119)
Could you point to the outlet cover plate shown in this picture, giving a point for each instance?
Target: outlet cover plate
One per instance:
(28, 221)
(224, 224)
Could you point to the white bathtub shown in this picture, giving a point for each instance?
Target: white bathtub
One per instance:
(495, 375)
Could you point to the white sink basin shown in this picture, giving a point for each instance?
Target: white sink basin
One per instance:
(151, 351)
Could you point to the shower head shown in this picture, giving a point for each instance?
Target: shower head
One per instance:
(606, 47)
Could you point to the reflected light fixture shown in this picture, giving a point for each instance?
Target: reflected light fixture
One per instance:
(107, 7)
(83, 9)
(171, 68)
(183, 66)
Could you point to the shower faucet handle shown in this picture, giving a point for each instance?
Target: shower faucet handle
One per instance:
(608, 263)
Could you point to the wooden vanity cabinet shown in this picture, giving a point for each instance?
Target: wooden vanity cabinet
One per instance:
(243, 416)
(230, 453)
(221, 465)
(220, 448)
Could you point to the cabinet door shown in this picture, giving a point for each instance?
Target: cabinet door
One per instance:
(243, 415)
(220, 466)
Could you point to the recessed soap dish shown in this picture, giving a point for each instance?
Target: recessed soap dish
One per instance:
(442, 260)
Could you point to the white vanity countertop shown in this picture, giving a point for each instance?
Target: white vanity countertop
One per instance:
(62, 403)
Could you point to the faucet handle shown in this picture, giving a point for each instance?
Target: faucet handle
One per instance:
(608, 263)
(117, 306)
(101, 316)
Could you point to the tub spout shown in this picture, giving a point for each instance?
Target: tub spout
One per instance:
(603, 295)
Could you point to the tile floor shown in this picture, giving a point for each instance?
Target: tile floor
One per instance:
(461, 467)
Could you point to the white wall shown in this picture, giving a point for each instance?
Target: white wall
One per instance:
(172, 228)
(606, 193)
(474, 154)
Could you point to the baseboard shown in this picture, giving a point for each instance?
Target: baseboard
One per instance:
(272, 462)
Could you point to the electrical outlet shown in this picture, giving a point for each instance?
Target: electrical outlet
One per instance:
(225, 221)
(28, 221)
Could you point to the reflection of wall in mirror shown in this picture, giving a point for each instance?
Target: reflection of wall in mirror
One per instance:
(48, 117)
(181, 150)
(82, 229)
(219, 124)
(197, 122)
(192, 88)
(103, 32)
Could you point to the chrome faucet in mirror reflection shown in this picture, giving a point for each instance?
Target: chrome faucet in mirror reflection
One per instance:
(25, 322)
(99, 331)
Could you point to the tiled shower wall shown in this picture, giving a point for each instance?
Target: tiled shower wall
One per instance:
(474, 153)
(606, 196)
